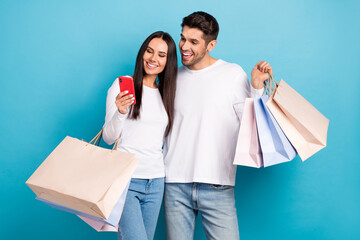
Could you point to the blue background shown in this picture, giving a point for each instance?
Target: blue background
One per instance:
(58, 58)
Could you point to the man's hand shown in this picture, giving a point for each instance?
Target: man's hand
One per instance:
(123, 101)
(259, 74)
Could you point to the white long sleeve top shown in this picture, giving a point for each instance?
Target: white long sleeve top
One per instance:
(144, 136)
(208, 109)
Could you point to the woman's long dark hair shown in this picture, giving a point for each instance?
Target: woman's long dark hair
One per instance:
(167, 78)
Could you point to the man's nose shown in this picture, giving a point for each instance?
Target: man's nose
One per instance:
(185, 46)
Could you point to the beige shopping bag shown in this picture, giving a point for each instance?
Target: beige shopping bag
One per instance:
(302, 123)
(248, 152)
(83, 177)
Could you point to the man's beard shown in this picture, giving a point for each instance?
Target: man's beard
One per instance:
(195, 60)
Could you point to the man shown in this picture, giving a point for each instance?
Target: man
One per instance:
(199, 152)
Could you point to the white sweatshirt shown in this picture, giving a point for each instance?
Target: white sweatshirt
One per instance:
(208, 106)
(144, 136)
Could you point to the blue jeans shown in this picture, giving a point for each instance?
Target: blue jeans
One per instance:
(215, 203)
(141, 209)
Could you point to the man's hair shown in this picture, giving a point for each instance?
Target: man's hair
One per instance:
(204, 22)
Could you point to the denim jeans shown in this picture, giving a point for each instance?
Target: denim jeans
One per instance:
(215, 203)
(141, 209)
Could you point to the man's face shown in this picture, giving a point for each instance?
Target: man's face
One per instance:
(192, 46)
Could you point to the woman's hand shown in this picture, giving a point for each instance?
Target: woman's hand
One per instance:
(259, 74)
(123, 102)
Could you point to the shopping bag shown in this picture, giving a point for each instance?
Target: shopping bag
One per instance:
(113, 219)
(275, 146)
(83, 177)
(99, 226)
(248, 151)
(115, 216)
(303, 124)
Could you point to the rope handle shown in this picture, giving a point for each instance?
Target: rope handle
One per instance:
(96, 140)
(115, 144)
(270, 85)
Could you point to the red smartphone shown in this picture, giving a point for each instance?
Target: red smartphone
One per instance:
(127, 84)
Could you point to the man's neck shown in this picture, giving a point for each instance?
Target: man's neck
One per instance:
(204, 63)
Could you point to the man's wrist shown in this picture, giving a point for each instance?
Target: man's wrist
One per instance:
(257, 84)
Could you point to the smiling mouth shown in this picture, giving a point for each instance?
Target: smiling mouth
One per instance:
(151, 66)
(186, 56)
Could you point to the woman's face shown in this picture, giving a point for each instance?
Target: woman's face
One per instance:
(155, 56)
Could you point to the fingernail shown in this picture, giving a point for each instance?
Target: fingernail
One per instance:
(133, 98)
(130, 95)
(126, 91)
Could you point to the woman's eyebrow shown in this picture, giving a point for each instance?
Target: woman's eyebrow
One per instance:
(159, 51)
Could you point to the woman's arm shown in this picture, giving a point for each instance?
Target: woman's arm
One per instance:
(114, 120)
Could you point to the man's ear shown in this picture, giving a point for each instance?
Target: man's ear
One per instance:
(211, 45)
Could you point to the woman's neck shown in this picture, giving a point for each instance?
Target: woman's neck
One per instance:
(150, 81)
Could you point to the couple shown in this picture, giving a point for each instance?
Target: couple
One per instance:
(193, 114)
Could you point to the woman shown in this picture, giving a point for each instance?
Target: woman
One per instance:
(141, 128)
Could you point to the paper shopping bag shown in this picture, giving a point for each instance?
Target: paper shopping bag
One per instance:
(248, 151)
(275, 146)
(113, 219)
(108, 226)
(111, 224)
(83, 177)
(100, 226)
(302, 123)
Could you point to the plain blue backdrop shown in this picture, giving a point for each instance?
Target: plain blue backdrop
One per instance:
(58, 58)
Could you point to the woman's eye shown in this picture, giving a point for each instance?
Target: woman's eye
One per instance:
(148, 50)
(162, 56)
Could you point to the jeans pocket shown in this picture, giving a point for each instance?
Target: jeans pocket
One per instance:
(221, 187)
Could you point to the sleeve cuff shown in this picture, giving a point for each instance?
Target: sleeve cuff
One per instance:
(255, 93)
(119, 115)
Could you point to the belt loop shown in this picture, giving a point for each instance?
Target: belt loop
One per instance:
(148, 184)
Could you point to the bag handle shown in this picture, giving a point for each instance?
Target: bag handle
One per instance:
(96, 140)
(270, 85)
